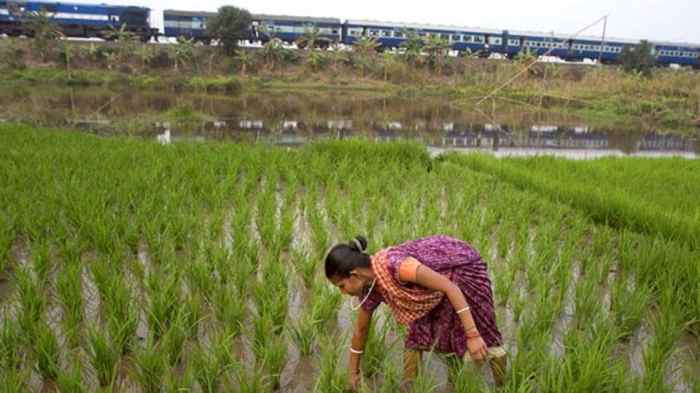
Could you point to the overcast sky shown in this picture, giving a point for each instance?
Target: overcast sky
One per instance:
(661, 20)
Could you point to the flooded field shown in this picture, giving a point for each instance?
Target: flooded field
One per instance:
(296, 118)
(133, 266)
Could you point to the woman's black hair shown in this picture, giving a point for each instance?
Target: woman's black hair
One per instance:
(343, 258)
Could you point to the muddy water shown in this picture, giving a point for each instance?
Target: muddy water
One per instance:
(296, 118)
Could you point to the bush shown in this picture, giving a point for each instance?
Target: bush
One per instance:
(638, 58)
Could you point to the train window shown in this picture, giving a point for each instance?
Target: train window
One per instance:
(456, 37)
(445, 36)
(479, 39)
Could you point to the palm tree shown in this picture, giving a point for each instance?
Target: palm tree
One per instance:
(184, 52)
(316, 60)
(145, 54)
(43, 29)
(126, 40)
(244, 58)
(412, 46)
(365, 48)
(437, 49)
(310, 37)
(273, 51)
(336, 57)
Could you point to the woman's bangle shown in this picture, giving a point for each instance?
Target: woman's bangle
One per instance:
(463, 310)
(355, 351)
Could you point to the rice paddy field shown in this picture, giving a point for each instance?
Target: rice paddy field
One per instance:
(130, 266)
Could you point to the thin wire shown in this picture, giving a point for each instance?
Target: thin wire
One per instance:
(516, 76)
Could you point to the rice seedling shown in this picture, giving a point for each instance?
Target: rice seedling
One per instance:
(176, 381)
(586, 291)
(667, 328)
(200, 274)
(11, 354)
(304, 331)
(151, 365)
(331, 378)
(628, 305)
(32, 304)
(41, 261)
(305, 266)
(252, 382)
(274, 358)
(376, 348)
(535, 247)
(465, 376)
(174, 340)
(391, 378)
(424, 382)
(325, 301)
(588, 365)
(164, 294)
(46, 351)
(229, 309)
(71, 381)
(104, 356)
(69, 288)
(207, 369)
(14, 381)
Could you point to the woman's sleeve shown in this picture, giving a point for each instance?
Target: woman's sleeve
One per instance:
(401, 265)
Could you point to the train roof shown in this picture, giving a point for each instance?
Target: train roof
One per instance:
(290, 18)
(188, 13)
(421, 26)
(257, 16)
(78, 3)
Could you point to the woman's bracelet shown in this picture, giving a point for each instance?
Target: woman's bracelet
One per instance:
(461, 310)
(356, 351)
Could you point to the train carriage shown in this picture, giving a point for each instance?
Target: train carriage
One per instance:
(187, 24)
(674, 53)
(293, 29)
(392, 35)
(76, 19)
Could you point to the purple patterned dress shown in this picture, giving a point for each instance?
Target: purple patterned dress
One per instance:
(441, 329)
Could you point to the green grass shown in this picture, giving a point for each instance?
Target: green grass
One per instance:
(189, 253)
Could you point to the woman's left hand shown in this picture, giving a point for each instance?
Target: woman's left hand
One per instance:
(477, 348)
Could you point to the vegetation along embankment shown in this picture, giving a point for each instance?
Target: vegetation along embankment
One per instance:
(606, 96)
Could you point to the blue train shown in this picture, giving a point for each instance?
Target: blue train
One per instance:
(100, 20)
(462, 39)
(77, 19)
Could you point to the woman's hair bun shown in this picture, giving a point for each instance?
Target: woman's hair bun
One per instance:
(358, 243)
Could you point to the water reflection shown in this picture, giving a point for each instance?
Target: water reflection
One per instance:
(502, 140)
(297, 118)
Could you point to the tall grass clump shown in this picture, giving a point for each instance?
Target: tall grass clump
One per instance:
(69, 288)
(104, 356)
(331, 378)
(151, 365)
(47, 352)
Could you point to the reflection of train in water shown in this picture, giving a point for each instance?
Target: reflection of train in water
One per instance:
(492, 137)
(100, 20)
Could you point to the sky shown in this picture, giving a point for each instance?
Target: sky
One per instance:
(658, 20)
